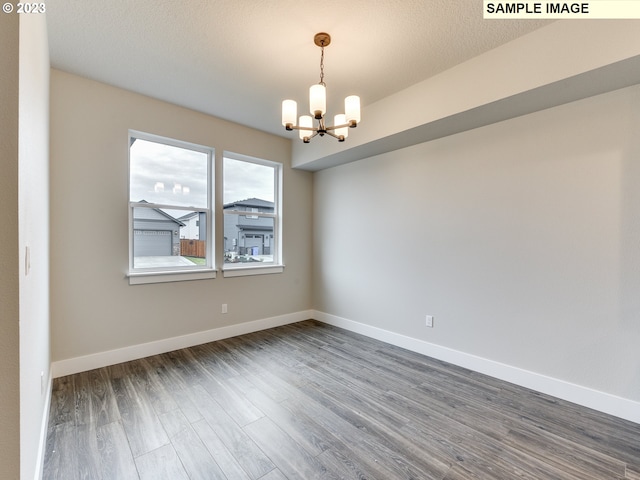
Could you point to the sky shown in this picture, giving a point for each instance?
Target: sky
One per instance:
(171, 175)
(244, 180)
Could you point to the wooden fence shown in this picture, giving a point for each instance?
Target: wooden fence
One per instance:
(193, 248)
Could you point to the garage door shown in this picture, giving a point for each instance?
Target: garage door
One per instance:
(151, 243)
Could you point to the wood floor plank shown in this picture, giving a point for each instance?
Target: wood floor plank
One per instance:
(459, 473)
(374, 454)
(62, 409)
(195, 457)
(366, 417)
(161, 464)
(183, 364)
(174, 422)
(632, 473)
(171, 375)
(263, 368)
(344, 465)
(292, 460)
(141, 424)
(234, 403)
(223, 360)
(148, 383)
(310, 400)
(116, 460)
(83, 413)
(253, 459)
(565, 454)
(51, 463)
(223, 457)
(61, 460)
(104, 409)
(297, 427)
(274, 475)
(493, 458)
(88, 457)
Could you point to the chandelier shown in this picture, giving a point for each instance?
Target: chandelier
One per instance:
(318, 106)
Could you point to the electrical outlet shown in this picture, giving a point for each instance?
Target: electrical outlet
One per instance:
(429, 321)
(224, 308)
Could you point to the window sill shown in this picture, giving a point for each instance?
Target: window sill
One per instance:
(252, 270)
(140, 278)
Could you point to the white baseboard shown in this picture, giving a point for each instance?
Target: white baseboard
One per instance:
(43, 430)
(587, 397)
(70, 366)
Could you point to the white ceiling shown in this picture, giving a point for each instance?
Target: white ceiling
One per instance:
(238, 59)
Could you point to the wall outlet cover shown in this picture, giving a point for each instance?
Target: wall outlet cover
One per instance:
(429, 321)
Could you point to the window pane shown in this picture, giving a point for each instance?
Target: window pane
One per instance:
(245, 180)
(168, 239)
(166, 174)
(251, 213)
(248, 239)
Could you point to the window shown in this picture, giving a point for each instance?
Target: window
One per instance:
(252, 217)
(170, 222)
(252, 209)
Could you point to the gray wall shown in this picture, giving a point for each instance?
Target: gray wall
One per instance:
(520, 237)
(94, 309)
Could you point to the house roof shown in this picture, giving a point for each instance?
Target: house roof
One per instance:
(164, 214)
(262, 228)
(189, 216)
(250, 202)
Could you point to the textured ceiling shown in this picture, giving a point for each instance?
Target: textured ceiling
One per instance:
(238, 59)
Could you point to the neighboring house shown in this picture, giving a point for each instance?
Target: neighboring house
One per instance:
(195, 226)
(248, 234)
(155, 233)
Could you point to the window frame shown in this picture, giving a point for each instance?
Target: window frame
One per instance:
(171, 274)
(277, 265)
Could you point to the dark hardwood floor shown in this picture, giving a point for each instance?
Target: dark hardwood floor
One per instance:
(311, 401)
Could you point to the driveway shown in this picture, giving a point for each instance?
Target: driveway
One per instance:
(162, 262)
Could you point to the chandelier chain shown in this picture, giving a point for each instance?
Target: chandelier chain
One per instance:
(322, 65)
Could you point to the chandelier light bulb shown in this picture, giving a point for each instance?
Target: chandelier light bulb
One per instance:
(318, 101)
(343, 132)
(306, 122)
(289, 112)
(352, 109)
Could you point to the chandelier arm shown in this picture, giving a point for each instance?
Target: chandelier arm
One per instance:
(339, 137)
(308, 139)
(308, 129)
(351, 124)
